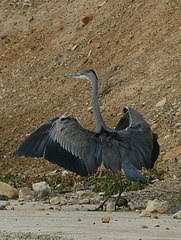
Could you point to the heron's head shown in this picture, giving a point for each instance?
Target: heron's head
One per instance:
(87, 73)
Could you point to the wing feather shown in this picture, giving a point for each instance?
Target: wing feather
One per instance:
(138, 146)
(65, 142)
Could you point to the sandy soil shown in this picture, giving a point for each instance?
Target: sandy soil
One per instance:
(28, 221)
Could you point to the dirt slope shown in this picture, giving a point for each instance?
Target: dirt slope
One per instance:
(134, 46)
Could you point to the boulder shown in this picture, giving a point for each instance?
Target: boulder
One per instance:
(41, 190)
(157, 206)
(39, 186)
(25, 193)
(8, 190)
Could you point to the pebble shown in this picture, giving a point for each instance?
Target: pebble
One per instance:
(84, 201)
(161, 103)
(154, 215)
(3, 198)
(105, 219)
(90, 109)
(157, 226)
(144, 226)
(55, 200)
(2, 206)
(101, 194)
(177, 215)
(81, 194)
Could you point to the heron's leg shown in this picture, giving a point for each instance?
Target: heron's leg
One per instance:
(103, 203)
(120, 201)
(100, 207)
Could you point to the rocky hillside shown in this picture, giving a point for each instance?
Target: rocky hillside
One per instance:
(134, 46)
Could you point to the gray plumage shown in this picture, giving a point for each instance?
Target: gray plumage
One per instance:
(130, 146)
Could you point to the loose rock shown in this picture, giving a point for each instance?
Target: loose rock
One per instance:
(174, 152)
(110, 207)
(144, 226)
(55, 200)
(25, 193)
(3, 197)
(2, 206)
(8, 190)
(134, 205)
(63, 201)
(145, 213)
(84, 201)
(81, 194)
(42, 190)
(157, 206)
(177, 215)
(105, 219)
(161, 103)
(40, 186)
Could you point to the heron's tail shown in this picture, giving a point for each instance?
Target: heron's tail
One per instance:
(133, 174)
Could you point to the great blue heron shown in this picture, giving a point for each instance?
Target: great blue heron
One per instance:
(129, 146)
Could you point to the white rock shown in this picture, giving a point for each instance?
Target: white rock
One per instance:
(81, 194)
(25, 193)
(41, 190)
(84, 201)
(157, 206)
(8, 190)
(101, 193)
(177, 215)
(40, 186)
(55, 200)
(96, 199)
(110, 207)
(161, 103)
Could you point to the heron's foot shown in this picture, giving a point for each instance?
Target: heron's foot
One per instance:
(96, 209)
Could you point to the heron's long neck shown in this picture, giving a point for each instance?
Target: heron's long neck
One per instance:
(96, 109)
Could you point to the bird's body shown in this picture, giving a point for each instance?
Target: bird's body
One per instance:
(130, 146)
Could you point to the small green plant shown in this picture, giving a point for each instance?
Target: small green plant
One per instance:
(10, 179)
(154, 174)
(176, 200)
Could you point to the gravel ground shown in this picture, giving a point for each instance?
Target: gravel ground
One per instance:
(38, 221)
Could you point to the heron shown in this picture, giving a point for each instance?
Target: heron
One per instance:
(127, 148)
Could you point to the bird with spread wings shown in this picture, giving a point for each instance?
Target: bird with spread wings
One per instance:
(128, 147)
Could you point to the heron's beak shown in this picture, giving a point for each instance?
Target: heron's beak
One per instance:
(74, 75)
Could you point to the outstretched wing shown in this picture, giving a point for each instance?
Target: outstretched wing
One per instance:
(130, 118)
(138, 145)
(65, 142)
